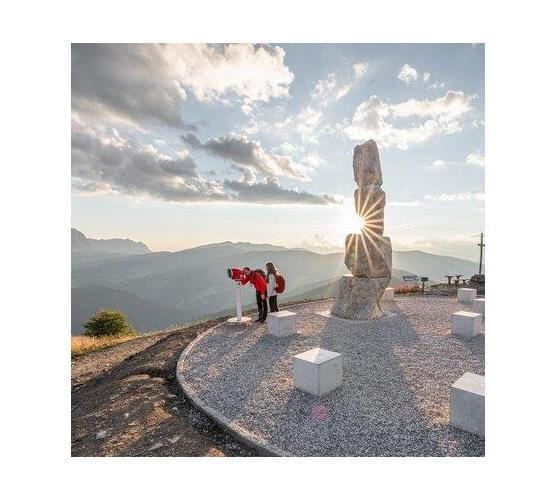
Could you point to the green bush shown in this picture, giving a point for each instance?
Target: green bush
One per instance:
(107, 322)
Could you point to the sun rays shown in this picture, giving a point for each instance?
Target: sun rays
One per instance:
(370, 227)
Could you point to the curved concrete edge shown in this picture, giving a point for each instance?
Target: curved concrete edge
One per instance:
(243, 435)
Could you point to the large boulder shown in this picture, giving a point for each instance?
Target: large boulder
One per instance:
(369, 205)
(359, 298)
(366, 164)
(368, 255)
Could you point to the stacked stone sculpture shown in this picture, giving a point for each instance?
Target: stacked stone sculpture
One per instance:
(368, 255)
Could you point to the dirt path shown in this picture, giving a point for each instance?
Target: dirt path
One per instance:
(126, 402)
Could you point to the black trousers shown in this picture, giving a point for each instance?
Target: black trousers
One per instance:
(273, 301)
(262, 306)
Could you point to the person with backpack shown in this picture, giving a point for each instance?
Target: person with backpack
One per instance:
(258, 279)
(276, 285)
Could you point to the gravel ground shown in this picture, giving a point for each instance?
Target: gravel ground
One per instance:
(394, 400)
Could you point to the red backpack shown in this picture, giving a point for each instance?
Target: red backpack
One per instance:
(280, 283)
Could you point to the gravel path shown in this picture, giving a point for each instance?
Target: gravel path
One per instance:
(394, 400)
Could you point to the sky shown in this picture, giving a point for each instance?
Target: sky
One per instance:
(184, 145)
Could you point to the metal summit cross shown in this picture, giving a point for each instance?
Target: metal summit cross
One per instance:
(481, 245)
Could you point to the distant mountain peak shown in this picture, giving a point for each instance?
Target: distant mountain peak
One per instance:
(80, 244)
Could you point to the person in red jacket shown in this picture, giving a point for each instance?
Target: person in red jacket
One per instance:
(259, 283)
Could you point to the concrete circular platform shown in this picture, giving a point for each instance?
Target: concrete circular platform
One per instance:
(394, 400)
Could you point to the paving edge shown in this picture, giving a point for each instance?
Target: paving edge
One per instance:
(243, 435)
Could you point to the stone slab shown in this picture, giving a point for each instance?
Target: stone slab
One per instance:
(317, 371)
(366, 164)
(282, 324)
(467, 295)
(467, 403)
(466, 324)
(368, 255)
(359, 298)
(479, 306)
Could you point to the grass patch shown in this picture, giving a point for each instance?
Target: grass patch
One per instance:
(83, 344)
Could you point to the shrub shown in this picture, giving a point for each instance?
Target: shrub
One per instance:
(407, 288)
(108, 322)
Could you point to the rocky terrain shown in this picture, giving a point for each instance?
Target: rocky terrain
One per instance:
(126, 402)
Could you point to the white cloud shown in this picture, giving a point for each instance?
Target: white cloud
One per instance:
(477, 123)
(342, 91)
(305, 122)
(477, 158)
(252, 127)
(288, 147)
(436, 85)
(449, 197)
(439, 164)
(360, 69)
(313, 160)
(415, 203)
(329, 89)
(426, 76)
(408, 74)
(138, 83)
(452, 105)
(373, 118)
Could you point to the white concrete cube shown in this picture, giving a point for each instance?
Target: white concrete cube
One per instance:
(467, 295)
(282, 324)
(466, 324)
(479, 306)
(317, 371)
(388, 295)
(467, 403)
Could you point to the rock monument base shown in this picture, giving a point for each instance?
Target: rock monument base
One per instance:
(359, 298)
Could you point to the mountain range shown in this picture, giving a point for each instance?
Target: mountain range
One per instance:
(158, 289)
(85, 249)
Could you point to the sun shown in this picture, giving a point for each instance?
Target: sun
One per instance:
(352, 223)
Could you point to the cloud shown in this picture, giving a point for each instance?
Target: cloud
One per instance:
(329, 89)
(312, 159)
(359, 69)
(248, 174)
(477, 158)
(374, 119)
(426, 76)
(148, 83)
(271, 192)
(105, 163)
(449, 197)
(439, 163)
(242, 151)
(305, 122)
(415, 203)
(451, 105)
(288, 147)
(408, 74)
(436, 85)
